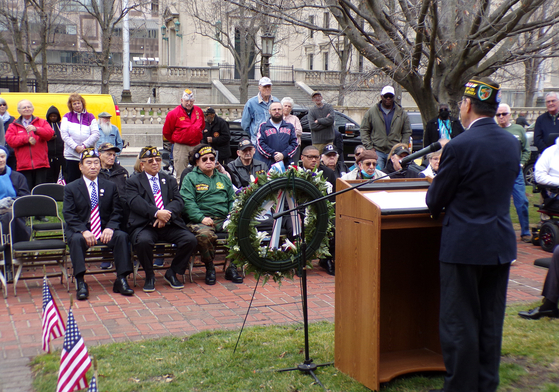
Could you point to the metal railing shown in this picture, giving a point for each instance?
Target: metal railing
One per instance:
(278, 73)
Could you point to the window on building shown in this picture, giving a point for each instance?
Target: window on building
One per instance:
(311, 61)
(326, 20)
(325, 60)
(68, 57)
(311, 21)
(360, 63)
(154, 7)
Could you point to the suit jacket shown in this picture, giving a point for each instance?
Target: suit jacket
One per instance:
(474, 185)
(77, 206)
(141, 202)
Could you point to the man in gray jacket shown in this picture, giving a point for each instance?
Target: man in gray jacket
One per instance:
(321, 122)
(384, 125)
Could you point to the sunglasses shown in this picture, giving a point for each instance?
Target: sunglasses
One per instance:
(3, 104)
(206, 159)
(388, 96)
(368, 164)
(151, 160)
(312, 156)
(502, 114)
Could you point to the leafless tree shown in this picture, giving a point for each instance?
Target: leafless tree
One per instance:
(429, 47)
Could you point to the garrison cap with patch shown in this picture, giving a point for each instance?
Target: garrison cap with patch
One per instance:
(88, 153)
(204, 151)
(483, 89)
(149, 152)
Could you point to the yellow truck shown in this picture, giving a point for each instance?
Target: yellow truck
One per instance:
(95, 104)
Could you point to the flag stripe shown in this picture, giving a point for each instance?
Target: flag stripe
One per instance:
(52, 324)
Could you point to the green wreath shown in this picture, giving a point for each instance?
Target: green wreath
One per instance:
(248, 247)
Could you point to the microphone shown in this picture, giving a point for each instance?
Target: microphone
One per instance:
(418, 154)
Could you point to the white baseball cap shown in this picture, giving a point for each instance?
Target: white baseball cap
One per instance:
(387, 90)
(265, 81)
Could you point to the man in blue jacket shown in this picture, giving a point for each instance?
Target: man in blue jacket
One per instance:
(478, 244)
(547, 123)
(277, 140)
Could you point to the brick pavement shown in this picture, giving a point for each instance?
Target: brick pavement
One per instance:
(108, 317)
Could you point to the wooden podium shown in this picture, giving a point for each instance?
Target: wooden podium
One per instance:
(387, 283)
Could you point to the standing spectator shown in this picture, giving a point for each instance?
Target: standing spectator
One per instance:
(217, 135)
(547, 123)
(519, 190)
(56, 147)
(521, 120)
(477, 243)
(384, 125)
(79, 130)
(7, 119)
(245, 168)
(183, 127)
(208, 198)
(321, 122)
(108, 133)
(256, 110)
(287, 104)
(28, 136)
(277, 140)
(441, 127)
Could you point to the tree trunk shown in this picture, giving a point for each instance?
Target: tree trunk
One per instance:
(531, 68)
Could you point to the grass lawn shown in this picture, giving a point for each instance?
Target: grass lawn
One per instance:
(206, 362)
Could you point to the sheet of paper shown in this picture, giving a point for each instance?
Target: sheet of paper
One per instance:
(398, 200)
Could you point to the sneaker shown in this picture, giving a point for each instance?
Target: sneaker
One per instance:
(158, 262)
(106, 265)
(526, 238)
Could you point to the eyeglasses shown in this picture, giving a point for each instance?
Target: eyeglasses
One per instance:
(312, 156)
(206, 159)
(151, 160)
(3, 104)
(26, 108)
(368, 164)
(502, 114)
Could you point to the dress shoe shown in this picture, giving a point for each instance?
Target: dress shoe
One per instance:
(210, 277)
(83, 291)
(106, 265)
(121, 286)
(171, 278)
(328, 265)
(149, 285)
(536, 313)
(232, 274)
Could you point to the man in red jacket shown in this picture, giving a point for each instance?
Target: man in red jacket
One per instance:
(183, 127)
(28, 136)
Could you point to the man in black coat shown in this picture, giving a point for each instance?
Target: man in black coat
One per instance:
(245, 168)
(442, 127)
(155, 216)
(474, 186)
(92, 213)
(217, 135)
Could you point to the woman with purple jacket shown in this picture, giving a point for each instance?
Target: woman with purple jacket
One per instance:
(79, 130)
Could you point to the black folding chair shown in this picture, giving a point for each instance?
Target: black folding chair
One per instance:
(3, 263)
(49, 230)
(37, 252)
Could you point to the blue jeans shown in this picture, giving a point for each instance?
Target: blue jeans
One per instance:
(381, 162)
(521, 204)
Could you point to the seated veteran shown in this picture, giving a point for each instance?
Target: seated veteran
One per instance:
(155, 216)
(245, 168)
(12, 185)
(365, 169)
(92, 212)
(433, 158)
(330, 159)
(393, 165)
(310, 160)
(208, 199)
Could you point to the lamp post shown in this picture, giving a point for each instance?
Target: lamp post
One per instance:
(126, 94)
(267, 52)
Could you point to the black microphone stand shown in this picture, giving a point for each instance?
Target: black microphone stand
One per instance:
(308, 366)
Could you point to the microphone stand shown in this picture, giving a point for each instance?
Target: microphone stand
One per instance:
(308, 366)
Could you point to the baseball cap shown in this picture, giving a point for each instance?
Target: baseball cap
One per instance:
(265, 81)
(104, 115)
(400, 150)
(316, 93)
(387, 90)
(244, 144)
(108, 147)
(329, 149)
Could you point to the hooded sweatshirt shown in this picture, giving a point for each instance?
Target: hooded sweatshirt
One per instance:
(56, 144)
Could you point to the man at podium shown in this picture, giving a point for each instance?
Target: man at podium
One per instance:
(474, 187)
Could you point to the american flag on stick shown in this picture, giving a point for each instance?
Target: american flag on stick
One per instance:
(53, 326)
(75, 361)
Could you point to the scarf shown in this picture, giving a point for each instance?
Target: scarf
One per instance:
(6, 116)
(6, 186)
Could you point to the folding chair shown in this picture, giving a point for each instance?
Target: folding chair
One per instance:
(3, 263)
(37, 252)
(50, 230)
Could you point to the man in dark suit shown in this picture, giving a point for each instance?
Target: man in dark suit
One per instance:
(92, 213)
(155, 216)
(474, 186)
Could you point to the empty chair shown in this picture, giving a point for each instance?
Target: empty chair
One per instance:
(49, 230)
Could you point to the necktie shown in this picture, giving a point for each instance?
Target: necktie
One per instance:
(157, 193)
(95, 220)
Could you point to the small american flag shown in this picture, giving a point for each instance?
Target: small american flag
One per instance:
(53, 326)
(61, 180)
(93, 385)
(75, 361)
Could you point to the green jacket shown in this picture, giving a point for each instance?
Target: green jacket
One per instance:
(206, 196)
(519, 133)
(373, 129)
